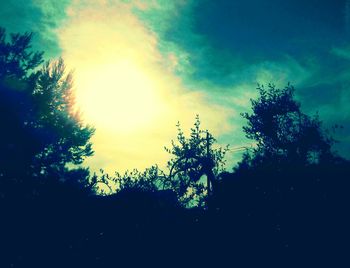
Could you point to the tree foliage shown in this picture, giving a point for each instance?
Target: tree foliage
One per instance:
(148, 180)
(16, 59)
(64, 137)
(282, 131)
(41, 130)
(193, 158)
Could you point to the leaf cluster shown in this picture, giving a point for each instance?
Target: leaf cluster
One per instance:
(282, 131)
(193, 158)
(42, 132)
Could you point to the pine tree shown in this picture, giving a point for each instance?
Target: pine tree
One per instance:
(41, 132)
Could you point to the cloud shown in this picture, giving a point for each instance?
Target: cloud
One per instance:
(217, 38)
(99, 37)
(227, 47)
(192, 57)
(40, 17)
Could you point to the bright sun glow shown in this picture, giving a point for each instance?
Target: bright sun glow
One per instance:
(118, 96)
(126, 87)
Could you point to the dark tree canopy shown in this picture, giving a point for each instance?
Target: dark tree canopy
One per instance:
(16, 59)
(282, 131)
(40, 130)
(64, 138)
(286, 202)
(193, 158)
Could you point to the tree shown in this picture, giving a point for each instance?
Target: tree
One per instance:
(41, 130)
(16, 59)
(193, 158)
(282, 131)
(64, 137)
(17, 67)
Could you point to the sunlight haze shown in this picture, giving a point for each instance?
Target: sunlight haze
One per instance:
(140, 66)
(126, 88)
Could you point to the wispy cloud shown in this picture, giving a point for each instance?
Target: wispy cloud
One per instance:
(105, 40)
(187, 57)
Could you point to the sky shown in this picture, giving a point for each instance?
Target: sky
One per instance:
(142, 65)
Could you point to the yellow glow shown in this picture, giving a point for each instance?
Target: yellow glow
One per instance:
(118, 96)
(126, 88)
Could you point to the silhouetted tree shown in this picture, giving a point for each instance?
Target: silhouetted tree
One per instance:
(64, 137)
(289, 195)
(282, 131)
(16, 59)
(40, 130)
(194, 158)
(17, 67)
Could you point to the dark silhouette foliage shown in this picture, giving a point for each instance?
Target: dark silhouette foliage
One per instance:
(282, 131)
(17, 61)
(41, 132)
(191, 174)
(287, 195)
(286, 204)
(64, 138)
(192, 159)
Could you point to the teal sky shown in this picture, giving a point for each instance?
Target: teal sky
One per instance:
(215, 51)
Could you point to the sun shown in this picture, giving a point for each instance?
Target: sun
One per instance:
(118, 96)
